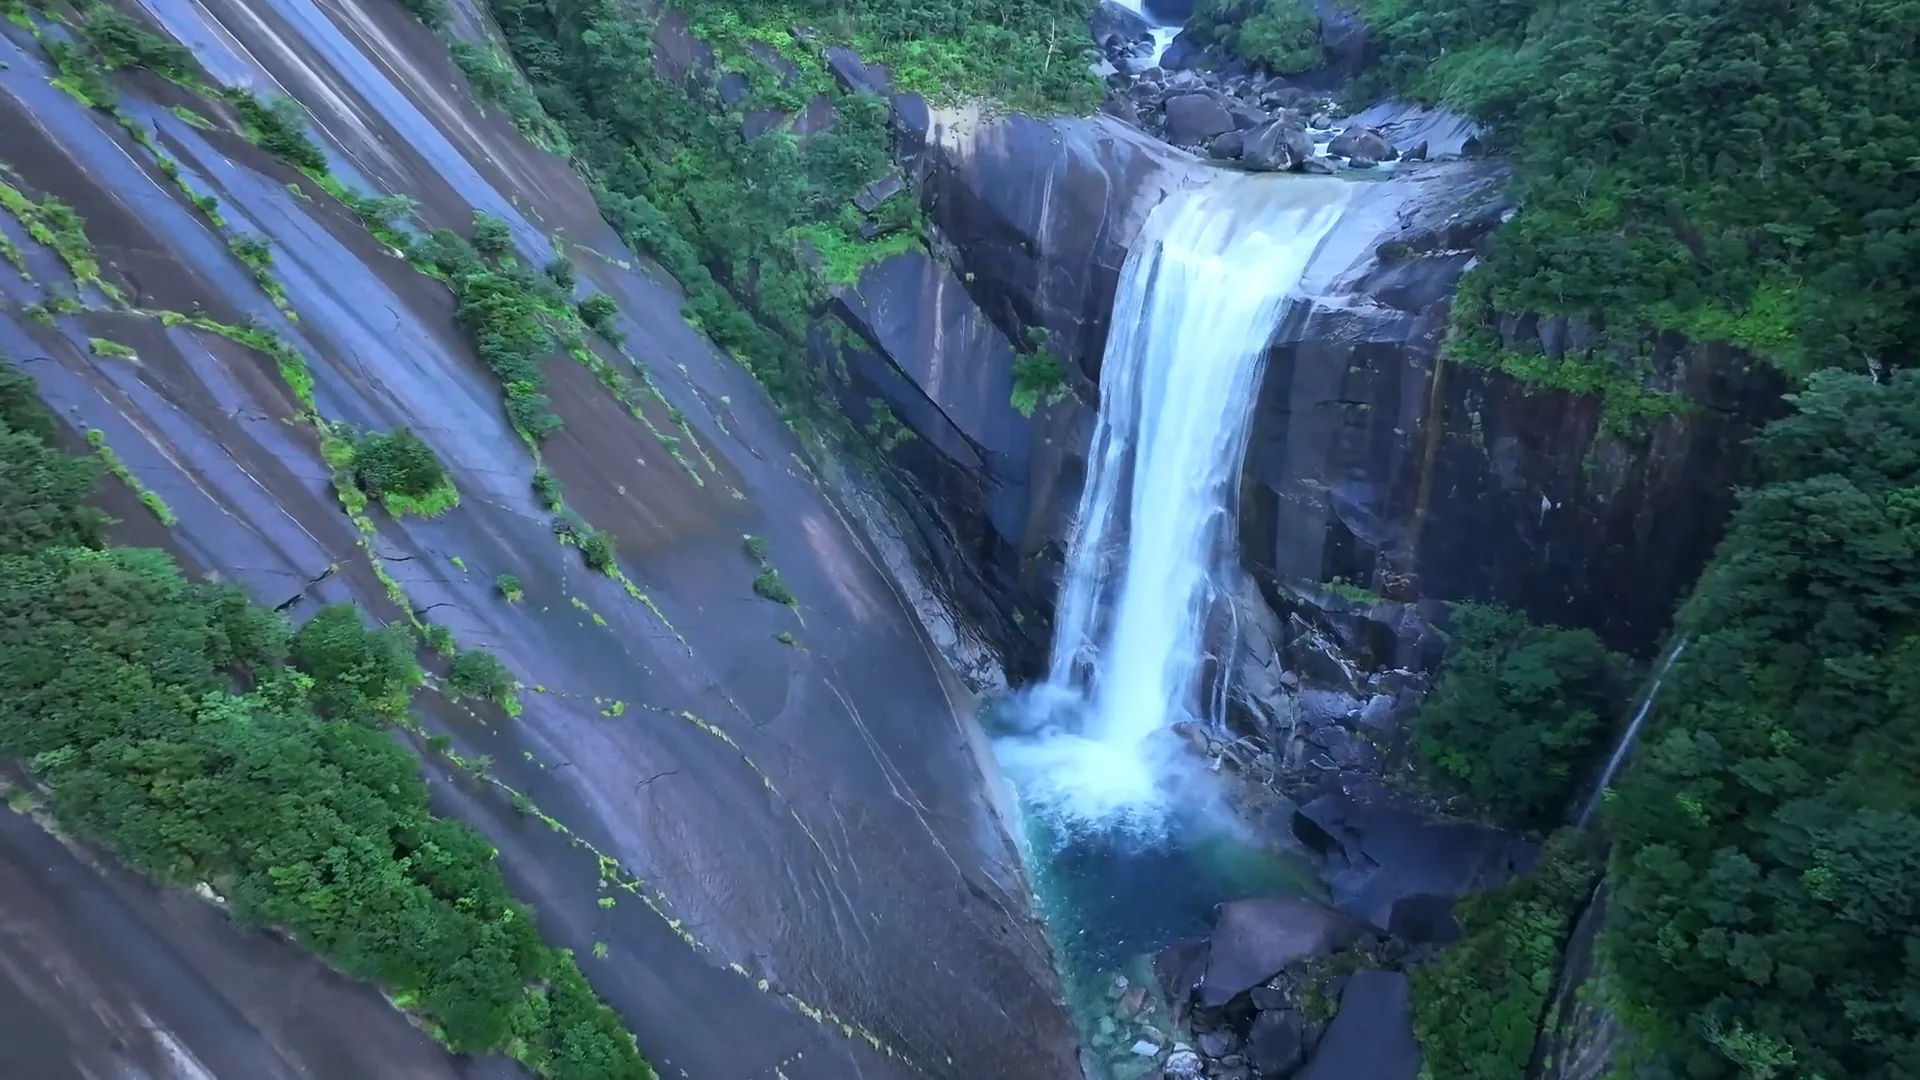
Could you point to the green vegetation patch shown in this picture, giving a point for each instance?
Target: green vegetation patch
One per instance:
(1766, 863)
(1519, 713)
(481, 674)
(149, 499)
(404, 473)
(1281, 36)
(1477, 1009)
(53, 224)
(1038, 378)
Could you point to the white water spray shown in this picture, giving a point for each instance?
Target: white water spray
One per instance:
(1200, 296)
(1627, 738)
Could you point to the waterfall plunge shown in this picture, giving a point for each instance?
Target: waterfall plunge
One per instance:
(1200, 296)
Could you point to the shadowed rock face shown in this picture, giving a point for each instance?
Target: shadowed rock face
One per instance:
(1374, 461)
(795, 835)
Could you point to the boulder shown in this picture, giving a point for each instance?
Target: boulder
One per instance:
(1194, 118)
(1254, 939)
(1371, 1037)
(1183, 1065)
(1361, 161)
(1227, 146)
(1279, 145)
(1111, 23)
(1395, 850)
(1183, 52)
(1218, 1044)
(1361, 142)
(1168, 12)
(1277, 1043)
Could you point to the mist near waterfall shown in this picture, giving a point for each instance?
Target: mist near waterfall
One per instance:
(1201, 294)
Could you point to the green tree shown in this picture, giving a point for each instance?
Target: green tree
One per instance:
(1520, 713)
(403, 473)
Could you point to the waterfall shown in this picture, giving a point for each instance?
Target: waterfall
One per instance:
(1199, 299)
(1627, 738)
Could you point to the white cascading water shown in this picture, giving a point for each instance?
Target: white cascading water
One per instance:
(1200, 297)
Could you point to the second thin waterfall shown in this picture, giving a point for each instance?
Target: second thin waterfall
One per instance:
(1200, 297)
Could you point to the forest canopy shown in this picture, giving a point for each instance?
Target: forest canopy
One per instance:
(1766, 920)
(1740, 172)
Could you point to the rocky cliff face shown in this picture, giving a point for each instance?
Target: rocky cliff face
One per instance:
(1373, 461)
(741, 816)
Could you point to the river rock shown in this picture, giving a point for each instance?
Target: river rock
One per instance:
(1183, 52)
(1194, 118)
(1359, 161)
(1395, 849)
(1277, 146)
(1372, 1034)
(1113, 24)
(1361, 142)
(1227, 146)
(1277, 1043)
(1319, 165)
(1183, 1065)
(1220, 1043)
(1254, 939)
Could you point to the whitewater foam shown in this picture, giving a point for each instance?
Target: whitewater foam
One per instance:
(1199, 299)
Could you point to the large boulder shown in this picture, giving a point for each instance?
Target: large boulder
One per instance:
(1383, 852)
(1193, 119)
(1113, 24)
(1361, 142)
(1277, 1042)
(1279, 145)
(1371, 1037)
(1254, 939)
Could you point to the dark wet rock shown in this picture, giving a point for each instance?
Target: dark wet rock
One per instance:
(1183, 1065)
(1418, 153)
(1122, 109)
(732, 88)
(871, 196)
(1268, 998)
(1277, 1043)
(1319, 165)
(1396, 850)
(1277, 146)
(1218, 1044)
(1180, 967)
(1192, 119)
(1169, 12)
(1246, 116)
(1183, 53)
(1358, 162)
(1110, 22)
(1371, 1037)
(1254, 939)
(1361, 142)
(1227, 146)
(1424, 919)
(857, 75)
